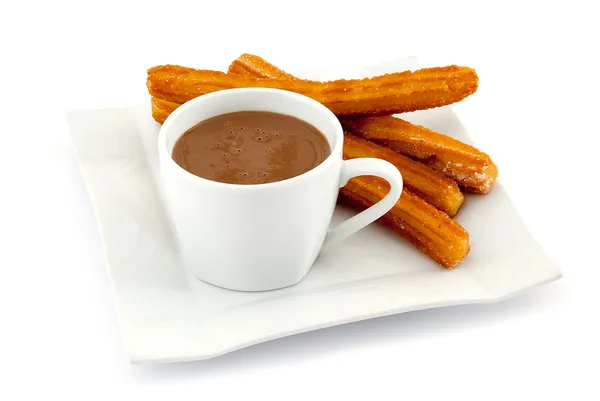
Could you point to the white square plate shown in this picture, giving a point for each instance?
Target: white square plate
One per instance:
(165, 317)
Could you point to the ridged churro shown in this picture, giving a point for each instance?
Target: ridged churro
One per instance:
(472, 169)
(433, 187)
(429, 230)
(161, 109)
(254, 66)
(385, 94)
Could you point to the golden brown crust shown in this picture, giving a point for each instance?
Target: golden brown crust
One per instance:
(254, 66)
(161, 109)
(472, 169)
(385, 94)
(435, 188)
(428, 229)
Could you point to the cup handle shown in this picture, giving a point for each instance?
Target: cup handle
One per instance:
(366, 166)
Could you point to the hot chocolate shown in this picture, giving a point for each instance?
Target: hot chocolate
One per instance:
(251, 147)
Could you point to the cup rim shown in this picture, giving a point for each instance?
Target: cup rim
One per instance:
(319, 108)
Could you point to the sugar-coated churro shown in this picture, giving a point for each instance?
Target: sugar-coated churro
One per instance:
(429, 230)
(385, 94)
(433, 187)
(472, 169)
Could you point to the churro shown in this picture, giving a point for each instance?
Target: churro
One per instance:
(433, 187)
(428, 229)
(254, 66)
(382, 95)
(470, 168)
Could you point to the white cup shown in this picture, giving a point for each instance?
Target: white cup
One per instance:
(264, 236)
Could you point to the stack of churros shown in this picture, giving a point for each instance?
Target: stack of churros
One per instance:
(435, 167)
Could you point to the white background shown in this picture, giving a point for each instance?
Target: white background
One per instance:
(535, 113)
